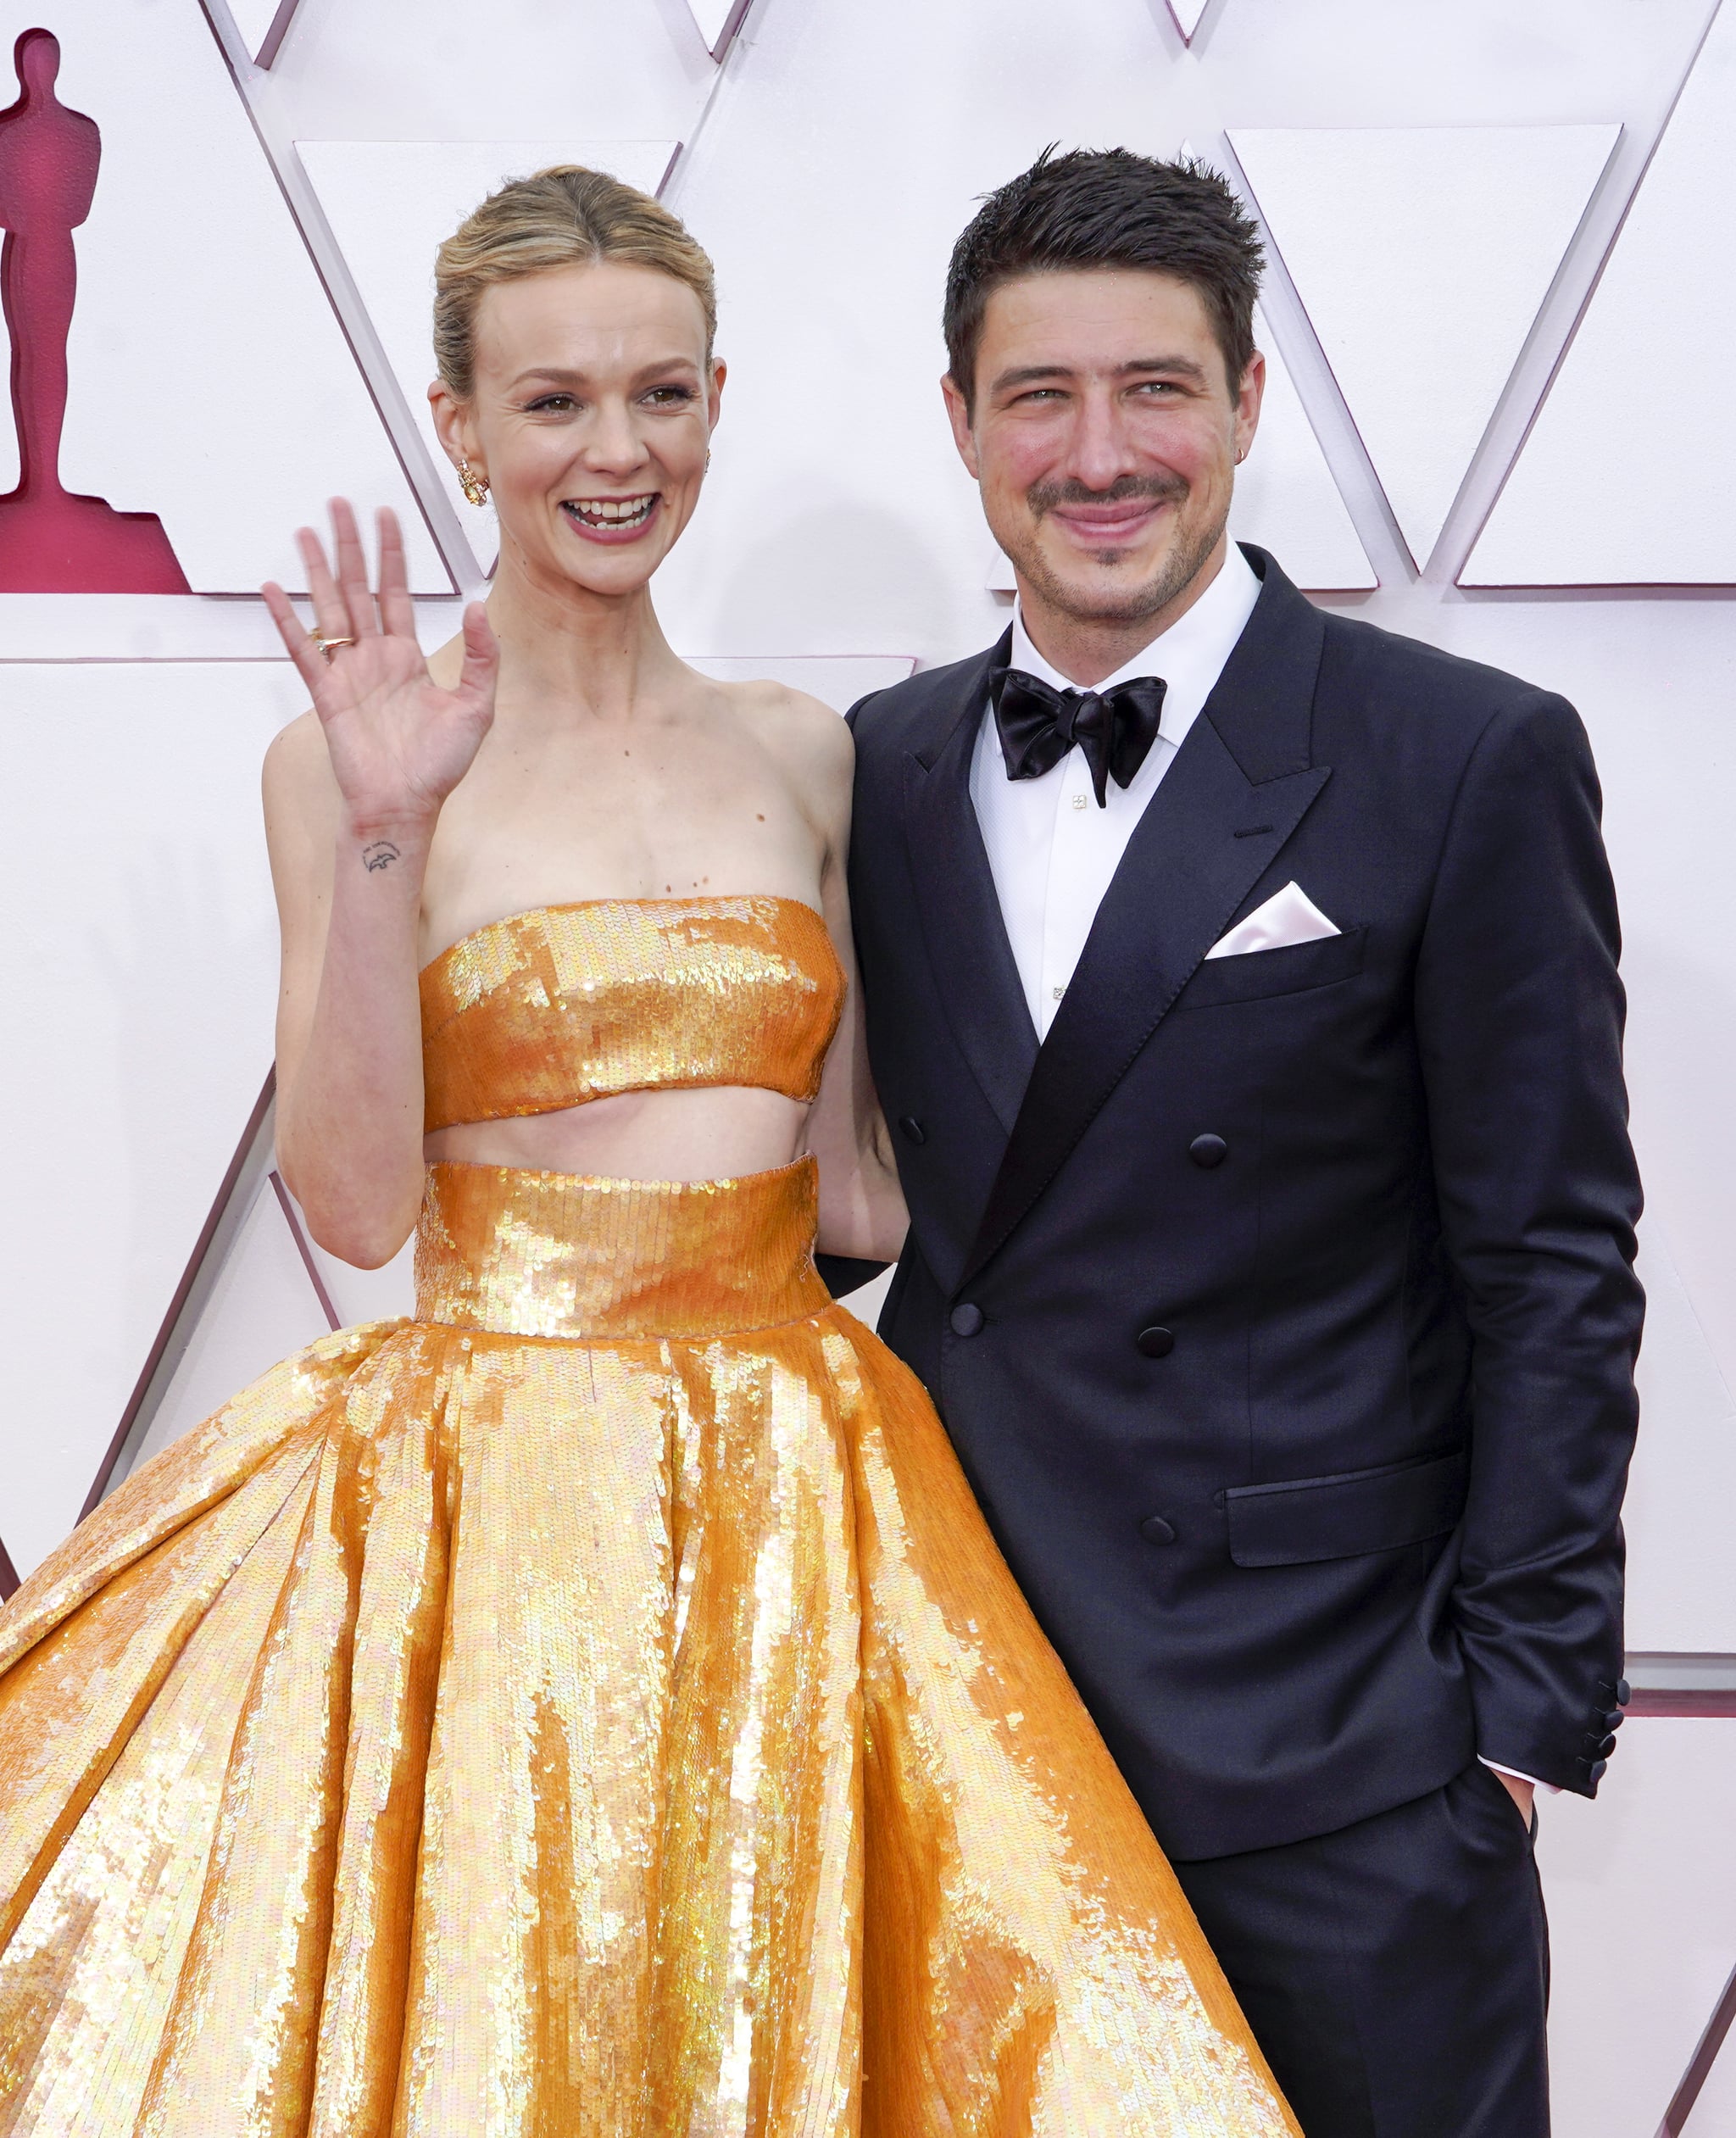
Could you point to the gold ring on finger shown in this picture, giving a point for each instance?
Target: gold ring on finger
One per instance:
(329, 646)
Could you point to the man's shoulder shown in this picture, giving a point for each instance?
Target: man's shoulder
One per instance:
(918, 713)
(1391, 675)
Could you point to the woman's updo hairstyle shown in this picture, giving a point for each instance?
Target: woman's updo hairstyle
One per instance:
(567, 216)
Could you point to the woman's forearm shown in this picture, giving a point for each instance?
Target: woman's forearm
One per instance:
(862, 1213)
(349, 1110)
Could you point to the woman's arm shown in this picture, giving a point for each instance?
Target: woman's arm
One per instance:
(862, 1212)
(351, 805)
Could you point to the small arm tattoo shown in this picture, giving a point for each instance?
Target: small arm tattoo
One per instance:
(380, 855)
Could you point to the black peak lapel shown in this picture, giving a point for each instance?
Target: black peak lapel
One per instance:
(1263, 704)
(1244, 768)
(962, 930)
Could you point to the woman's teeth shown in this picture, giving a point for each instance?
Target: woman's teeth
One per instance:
(611, 512)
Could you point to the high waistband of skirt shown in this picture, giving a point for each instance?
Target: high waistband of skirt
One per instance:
(562, 1254)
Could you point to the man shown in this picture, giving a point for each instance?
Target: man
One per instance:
(1252, 1040)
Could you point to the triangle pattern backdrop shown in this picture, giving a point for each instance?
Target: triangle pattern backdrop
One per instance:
(158, 947)
(1667, 300)
(718, 21)
(1422, 256)
(1187, 14)
(264, 24)
(191, 268)
(390, 204)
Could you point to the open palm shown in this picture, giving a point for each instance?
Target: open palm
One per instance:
(399, 744)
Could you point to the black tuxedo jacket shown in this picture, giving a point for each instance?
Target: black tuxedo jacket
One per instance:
(1282, 1307)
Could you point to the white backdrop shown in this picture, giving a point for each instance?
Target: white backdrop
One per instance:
(1467, 201)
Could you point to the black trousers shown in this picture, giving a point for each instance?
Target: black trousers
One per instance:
(1396, 1973)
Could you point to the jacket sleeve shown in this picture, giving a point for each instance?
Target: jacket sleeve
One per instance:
(1519, 1014)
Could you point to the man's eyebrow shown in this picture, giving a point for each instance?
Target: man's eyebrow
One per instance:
(1029, 374)
(1137, 366)
(1183, 366)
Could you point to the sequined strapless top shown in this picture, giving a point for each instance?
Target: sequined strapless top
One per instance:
(548, 1008)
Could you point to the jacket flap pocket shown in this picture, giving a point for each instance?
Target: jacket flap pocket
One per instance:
(1286, 971)
(1338, 1517)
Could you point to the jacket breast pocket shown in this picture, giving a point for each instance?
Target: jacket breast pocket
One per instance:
(1342, 1517)
(1287, 972)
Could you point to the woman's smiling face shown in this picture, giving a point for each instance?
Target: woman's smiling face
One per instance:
(591, 419)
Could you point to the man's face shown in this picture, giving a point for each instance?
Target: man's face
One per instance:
(1105, 438)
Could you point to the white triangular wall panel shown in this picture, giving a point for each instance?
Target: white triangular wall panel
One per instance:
(1680, 1573)
(139, 944)
(1422, 256)
(1579, 509)
(260, 1308)
(392, 204)
(718, 21)
(264, 24)
(1285, 500)
(210, 381)
(1186, 14)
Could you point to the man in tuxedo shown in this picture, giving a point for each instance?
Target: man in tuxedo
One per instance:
(1241, 985)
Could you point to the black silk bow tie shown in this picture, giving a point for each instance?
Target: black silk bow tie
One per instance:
(1038, 725)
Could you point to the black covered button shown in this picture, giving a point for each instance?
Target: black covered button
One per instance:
(1595, 1770)
(1600, 1747)
(913, 1129)
(1155, 1530)
(1155, 1343)
(1621, 1692)
(1613, 1719)
(966, 1319)
(1208, 1151)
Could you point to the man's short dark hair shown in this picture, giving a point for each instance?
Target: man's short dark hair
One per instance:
(1095, 208)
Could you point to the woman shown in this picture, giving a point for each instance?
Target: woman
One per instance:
(594, 1708)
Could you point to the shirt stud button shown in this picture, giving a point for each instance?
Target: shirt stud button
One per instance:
(1079, 801)
(1056, 994)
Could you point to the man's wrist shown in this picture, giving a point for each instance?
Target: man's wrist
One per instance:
(1513, 1774)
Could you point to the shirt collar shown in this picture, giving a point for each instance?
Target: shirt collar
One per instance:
(1189, 656)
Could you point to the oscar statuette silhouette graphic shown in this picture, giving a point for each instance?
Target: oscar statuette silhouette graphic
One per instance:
(52, 541)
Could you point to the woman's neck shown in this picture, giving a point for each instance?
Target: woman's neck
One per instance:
(566, 650)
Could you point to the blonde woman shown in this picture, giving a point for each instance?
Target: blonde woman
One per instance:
(594, 1708)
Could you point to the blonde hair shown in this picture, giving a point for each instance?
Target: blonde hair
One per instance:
(565, 216)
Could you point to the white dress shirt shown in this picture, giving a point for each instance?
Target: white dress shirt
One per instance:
(1052, 851)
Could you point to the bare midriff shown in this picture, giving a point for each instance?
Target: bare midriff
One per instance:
(716, 1133)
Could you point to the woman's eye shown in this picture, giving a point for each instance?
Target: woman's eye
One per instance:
(670, 397)
(552, 404)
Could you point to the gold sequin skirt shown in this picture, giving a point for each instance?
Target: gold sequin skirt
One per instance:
(594, 1708)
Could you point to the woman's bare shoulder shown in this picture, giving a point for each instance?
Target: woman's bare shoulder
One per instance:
(809, 737)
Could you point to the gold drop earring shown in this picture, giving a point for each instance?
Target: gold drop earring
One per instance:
(473, 486)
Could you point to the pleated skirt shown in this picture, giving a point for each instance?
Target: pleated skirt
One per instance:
(594, 1708)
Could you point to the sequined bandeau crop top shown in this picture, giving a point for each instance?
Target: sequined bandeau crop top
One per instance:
(548, 1008)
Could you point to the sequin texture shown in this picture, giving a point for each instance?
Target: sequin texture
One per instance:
(592, 1708)
(567, 1003)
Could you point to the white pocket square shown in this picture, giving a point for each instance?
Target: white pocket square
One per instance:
(1288, 916)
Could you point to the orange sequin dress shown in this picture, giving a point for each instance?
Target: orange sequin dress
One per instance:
(594, 1708)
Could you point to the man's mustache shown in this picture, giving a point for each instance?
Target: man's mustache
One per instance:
(1148, 489)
